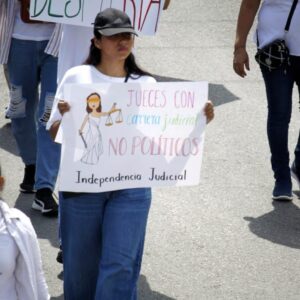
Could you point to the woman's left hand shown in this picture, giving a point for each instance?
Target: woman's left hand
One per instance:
(63, 107)
(209, 111)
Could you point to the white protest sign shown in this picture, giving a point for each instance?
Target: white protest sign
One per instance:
(142, 135)
(144, 14)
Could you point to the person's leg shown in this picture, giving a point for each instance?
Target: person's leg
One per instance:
(279, 87)
(295, 169)
(48, 152)
(23, 78)
(5, 71)
(123, 233)
(81, 221)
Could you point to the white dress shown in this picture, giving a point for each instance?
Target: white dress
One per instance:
(93, 141)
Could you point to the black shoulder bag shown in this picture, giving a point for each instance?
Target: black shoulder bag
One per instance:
(276, 54)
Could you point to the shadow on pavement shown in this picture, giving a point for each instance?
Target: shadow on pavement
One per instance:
(145, 292)
(45, 227)
(7, 141)
(280, 226)
(218, 94)
(61, 275)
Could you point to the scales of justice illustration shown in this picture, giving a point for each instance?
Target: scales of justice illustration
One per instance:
(118, 119)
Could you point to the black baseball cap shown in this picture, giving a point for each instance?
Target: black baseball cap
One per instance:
(112, 21)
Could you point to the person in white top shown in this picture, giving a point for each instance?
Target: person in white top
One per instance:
(74, 43)
(103, 233)
(272, 19)
(73, 51)
(32, 79)
(21, 274)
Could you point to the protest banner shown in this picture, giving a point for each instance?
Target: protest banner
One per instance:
(144, 14)
(132, 135)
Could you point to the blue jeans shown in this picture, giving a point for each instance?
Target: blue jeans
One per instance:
(295, 62)
(279, 87)
(102, 239)
(28, 67)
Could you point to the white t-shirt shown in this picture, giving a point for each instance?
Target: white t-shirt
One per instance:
(272, 18)
(86, 74)
(30, 31)
(8, 257)
(74, 48)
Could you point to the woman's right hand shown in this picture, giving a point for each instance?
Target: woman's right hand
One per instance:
(63, 106)
(241, 61)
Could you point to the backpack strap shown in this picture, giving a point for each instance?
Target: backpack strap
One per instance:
(289, 19)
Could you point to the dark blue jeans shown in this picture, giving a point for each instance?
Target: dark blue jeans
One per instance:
(30, 67)
(279, 88)
(102, 239)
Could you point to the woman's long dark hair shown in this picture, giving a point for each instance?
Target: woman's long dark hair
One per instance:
(131, 66)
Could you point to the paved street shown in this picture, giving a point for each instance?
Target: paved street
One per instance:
(223, 239)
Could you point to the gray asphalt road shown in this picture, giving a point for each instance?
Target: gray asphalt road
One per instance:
(223, 239)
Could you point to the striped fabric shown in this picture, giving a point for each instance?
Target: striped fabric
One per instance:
(7, 18)
(53, 45)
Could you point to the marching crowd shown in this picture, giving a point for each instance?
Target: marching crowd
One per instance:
(39, 59)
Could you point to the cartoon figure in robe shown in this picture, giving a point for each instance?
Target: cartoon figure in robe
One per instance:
(90, 129)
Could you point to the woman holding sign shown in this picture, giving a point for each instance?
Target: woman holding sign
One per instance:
(103, 233)
(74, 43)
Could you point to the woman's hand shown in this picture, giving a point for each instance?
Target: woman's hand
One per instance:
(241, 61)
(63, 106)
(209, 111)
